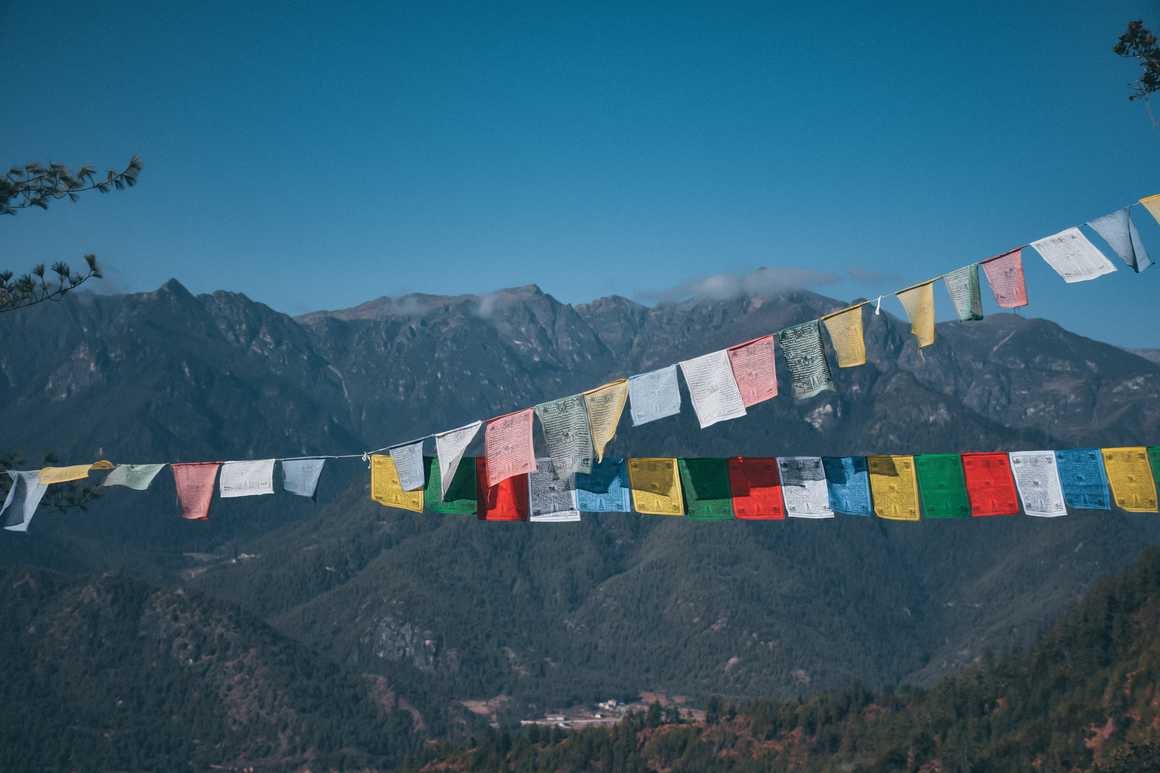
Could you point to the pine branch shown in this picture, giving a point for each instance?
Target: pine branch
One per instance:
(35, 185)
(43, 284)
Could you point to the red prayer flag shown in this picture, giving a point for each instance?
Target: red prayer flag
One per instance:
(990, 484)
(1005, 275)
(505, 501)
(507, 442)
(195, 484)
(756, 486)
(753, 369)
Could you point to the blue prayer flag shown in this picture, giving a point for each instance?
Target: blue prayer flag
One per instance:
(848, 481)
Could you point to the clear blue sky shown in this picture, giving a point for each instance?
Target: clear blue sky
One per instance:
(315, 155)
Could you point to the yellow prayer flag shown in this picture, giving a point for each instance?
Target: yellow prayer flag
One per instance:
(102, 464)
(51, 475)
(605, 404)
(1131, 479)
(845, 329)
(386, 489)
(894, 486)
(919, 304)
(656, 486)
(1152, 204)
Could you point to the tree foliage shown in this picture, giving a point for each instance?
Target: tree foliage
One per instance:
(1137, 42)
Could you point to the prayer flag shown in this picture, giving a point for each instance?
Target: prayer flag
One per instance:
(753, 369)
(605, 405)
(450, 447)
(706, 486)
(194, 482)
(247, 479)
(756, 487)
(942, 486)
(507, 442)
(1131, 479)
(458, 498)
(300, 476)
(918, 302)
(656, 486)
(505, 501)
(409, 464)
(990, 486)
(803, 486)
(845, 329)
(1005, 275)
(1118, 230)
(1084, 480)
(1152, 204)
(848, 484)
(963, 286)
(808, 369)
(1037, 478)
(551, 499)
(386, 489)
(1154, 462)
(52, 475)
(654, 395)
(895, 487)
(23, 498)
(134, 476)
(564, 423)
(713, 388)
(102, 464)
(605, 489)
(1072, 256)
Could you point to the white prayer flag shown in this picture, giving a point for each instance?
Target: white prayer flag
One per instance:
(654, 395)
(1037, 479)
(409, 465)
(713, 388)
(564, 423)
(300, 476)
(246, 479)
(803, 486)
(134, 476)
(1118, 230)
(551, 497)
(1073, 256)
(23, 498)
(450, 447)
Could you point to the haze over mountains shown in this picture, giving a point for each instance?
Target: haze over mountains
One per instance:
(449, 609)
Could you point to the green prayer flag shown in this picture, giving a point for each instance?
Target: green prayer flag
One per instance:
(1154, 460)
(942, 486)
(460, 499)
(708, 495)
(963, 287)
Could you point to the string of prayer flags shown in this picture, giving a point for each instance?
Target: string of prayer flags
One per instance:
(753, 369)
(1118, 230)
(1130, 476)
(134, 476)
(845, 329)
(708, 495)
(247, 479)
(654, 395)
(52, 475)
(895, 487)
(755, 484)
(605, 489)
(1083, 478)
(605, 404)
(505, 501)
(1152, 204)
(1037, 479)
(551, 498)
(458, 498)
(918, 302)
(990, 485)
(656, 486)
(408, 460)
(507, 442)
(450, 447)
(1005, 275)
(23, 498)
(942, 486)
(1073, 256)
(564, 423)
(194, 482)
(803, 486)
(808, 368)
(963, 286)
(300, 476)
(848, 484)
(386, 488)
(713, 388)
